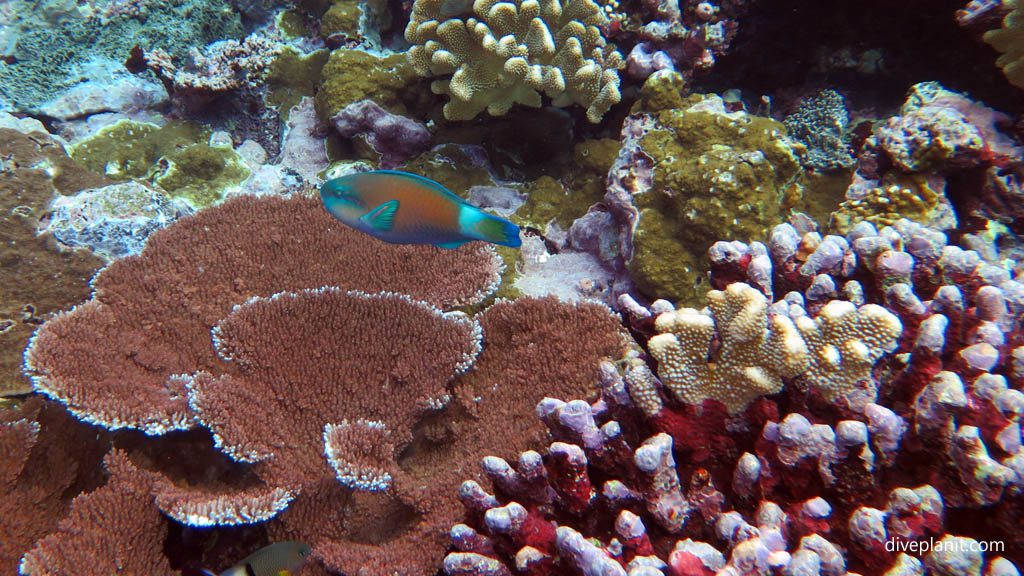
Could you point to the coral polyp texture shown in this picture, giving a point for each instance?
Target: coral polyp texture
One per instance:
(508, 53)
(690, 170)
(140, 351)
(754, 354)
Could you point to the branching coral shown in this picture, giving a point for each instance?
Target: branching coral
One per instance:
(512, 52)
(1010, 41)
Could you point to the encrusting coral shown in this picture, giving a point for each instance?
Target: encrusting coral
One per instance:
(690, 170)
(512, 52)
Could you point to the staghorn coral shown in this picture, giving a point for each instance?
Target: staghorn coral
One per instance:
(512, 52)
(1009, 40)
(122, 361)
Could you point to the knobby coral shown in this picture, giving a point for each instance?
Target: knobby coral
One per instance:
(512, 52)
(1009, 40)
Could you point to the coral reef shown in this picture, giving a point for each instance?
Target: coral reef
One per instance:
(820, 123)
(38, 278)
(139, 349)
(510, 53)
(646, 482)
(818, 401)
(57, 44)
(690, 170)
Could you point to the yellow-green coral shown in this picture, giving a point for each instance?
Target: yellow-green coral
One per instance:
(716, 175)
(1009, 40)
(293, 76)
(201, 173)
(177, 157)
(353, 75)
(913, 198)
(512, 52)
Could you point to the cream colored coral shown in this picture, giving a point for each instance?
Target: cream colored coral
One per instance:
(1009, 40)
(845, 342)
(753, 356)
(754, 353)
(511, 52)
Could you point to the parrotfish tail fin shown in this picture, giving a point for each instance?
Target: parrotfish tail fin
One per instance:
(480, 225)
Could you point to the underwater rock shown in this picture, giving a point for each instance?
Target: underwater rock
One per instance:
(118, 94)
(395, 138)
(57, 45)
(113, 221)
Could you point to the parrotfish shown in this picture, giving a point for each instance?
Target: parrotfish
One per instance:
(278, 559)
(404, 208)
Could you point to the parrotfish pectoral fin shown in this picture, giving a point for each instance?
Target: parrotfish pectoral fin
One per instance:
(450, 245)
(381, 218)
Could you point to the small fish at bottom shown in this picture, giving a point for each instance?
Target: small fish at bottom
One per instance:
(278, 559)
(404, 208)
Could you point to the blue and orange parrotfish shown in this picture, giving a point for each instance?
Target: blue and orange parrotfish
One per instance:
(278, 559)
(404, 208)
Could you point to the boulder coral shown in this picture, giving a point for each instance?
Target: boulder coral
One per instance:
(510, 53)
(689, 171)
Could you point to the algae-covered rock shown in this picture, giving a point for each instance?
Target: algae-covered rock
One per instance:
(177, 157)
(37, 277)
(353, 75)
(293, 76)
(129, 149)
(716, 175)
(201, 173)
(342, 18)
(561, 201)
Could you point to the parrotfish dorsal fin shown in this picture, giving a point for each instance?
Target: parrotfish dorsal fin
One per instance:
(381, 218)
